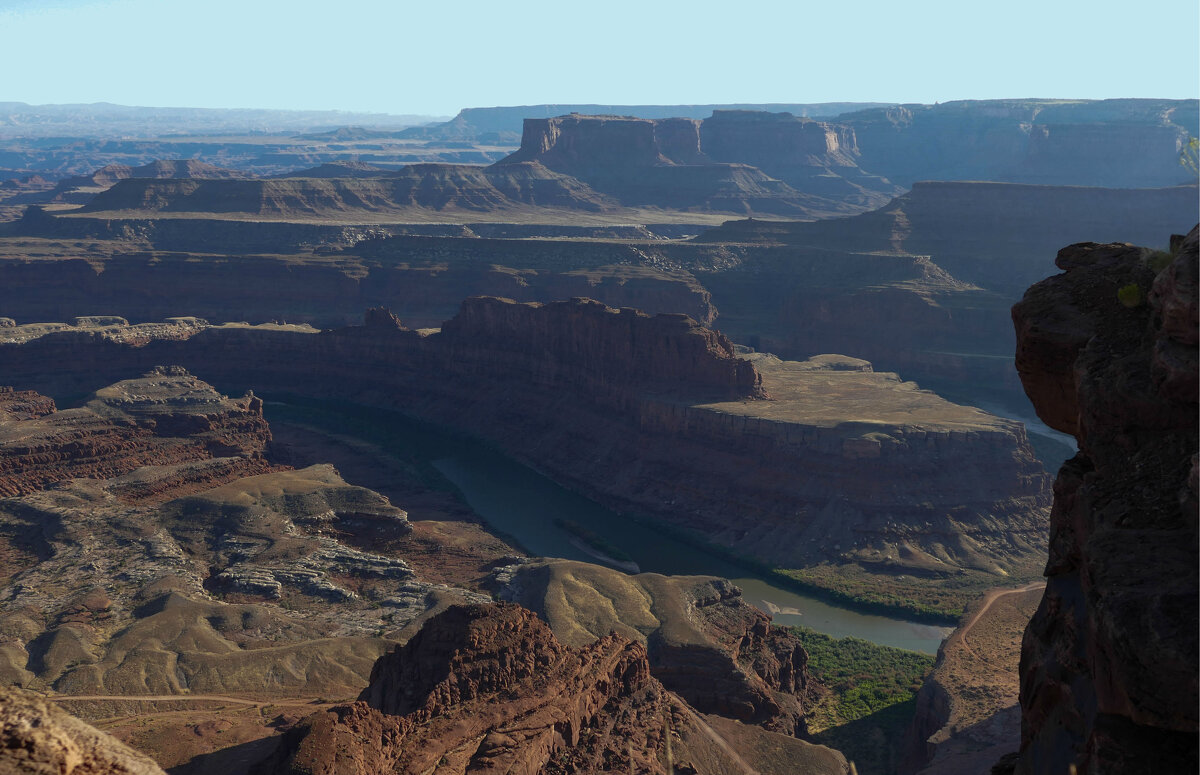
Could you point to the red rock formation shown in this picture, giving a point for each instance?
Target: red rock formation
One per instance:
(460, 656)
(166, 418)
(489, 688)
(1108, 352)
(656, 414)
(24, 404)
(583, 343)
(710, 646)
(734, 161)
(485, 687)
(757, 673)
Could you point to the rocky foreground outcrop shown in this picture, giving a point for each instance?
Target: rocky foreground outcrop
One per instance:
(704, 642)
(1108, 352)
(36, 738)
(489, 688)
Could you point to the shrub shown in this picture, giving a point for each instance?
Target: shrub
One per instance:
(1130, 295)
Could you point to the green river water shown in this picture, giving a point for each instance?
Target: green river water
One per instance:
(520, 502)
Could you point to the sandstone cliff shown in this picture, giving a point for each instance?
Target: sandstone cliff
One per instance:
(1120, 143)
(995, 235)
(893, 479)
(733, 161)
(814, 157)
(166, 418)
(585, 344)
(486, 688)
(1108, 352)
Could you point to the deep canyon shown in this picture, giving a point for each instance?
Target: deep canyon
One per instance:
(776, 342)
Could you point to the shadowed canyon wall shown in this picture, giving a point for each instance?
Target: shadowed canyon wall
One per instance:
(656, 415)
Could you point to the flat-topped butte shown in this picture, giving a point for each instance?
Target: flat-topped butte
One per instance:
(829, 391)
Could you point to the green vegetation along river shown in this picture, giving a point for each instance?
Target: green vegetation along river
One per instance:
(545, 519)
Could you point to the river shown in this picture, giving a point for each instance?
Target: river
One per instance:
(517, 501)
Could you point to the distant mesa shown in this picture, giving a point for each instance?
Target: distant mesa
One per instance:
(170, 169)
(340, 169)
(432, 187)
(1117, 143)
(81, 189)
(506, 122)
(1113, 143)
(737, 160)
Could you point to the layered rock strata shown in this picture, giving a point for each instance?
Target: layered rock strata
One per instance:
(704, 642)
(659, 415)
(999, 236)
(431, 187)
(423, 278)
(739, 161)
(486, 688)
(149, 554)
(1108, 352)
(165, 418)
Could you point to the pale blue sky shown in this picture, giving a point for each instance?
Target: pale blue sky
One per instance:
(437, 57)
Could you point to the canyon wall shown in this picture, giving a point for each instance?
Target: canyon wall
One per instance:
(793, 300)
(789, 463)
(1108, 352)
(425, 279)
(999, 236)
(436, 187)
(166, 418)
(1120, 143)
